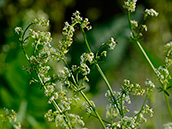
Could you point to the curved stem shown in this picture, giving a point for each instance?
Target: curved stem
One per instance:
(85, 38)
(26, 30)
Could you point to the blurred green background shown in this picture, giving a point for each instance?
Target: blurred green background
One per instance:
(108, 19)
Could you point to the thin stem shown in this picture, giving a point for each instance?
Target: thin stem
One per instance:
(97, 114)
(150, 63)
(85, 38)
(152, 66)
(85, 97)
(111, 117)
(42, 83)
(144, 103)
(109, 88)
(102, 119)
(122, 105)
(26, 30)
(168, 105)
(147, 58)
(129, 22)
(103, 75)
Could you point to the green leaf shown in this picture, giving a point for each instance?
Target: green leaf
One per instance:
(166, 93)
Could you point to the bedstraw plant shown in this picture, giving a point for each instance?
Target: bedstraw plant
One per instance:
(64, 88)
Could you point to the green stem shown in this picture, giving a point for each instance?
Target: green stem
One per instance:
(110, 89)
(97, 114)
(145, 55)
(42, 83)
(85, 97)
(102, 119)
(102, 74)
(122, 105)
(4, 125)
(152, 66)
(26, 30)
(129, 22)
(86, 41)
(168, 105)
(144, 103)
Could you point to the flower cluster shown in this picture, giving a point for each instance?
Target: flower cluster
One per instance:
(130, 5)
(168, 125)
(163, 74)
(88, 107)
(69, 29)
(127, 122)
(134, 24)
(111, 111)
(18, 30)
(103, 49)
(168, 60)
(140, 115)
(54, 85)
(131, 88)
(149, 84)
(41, 21)
(54, 116)
(111, 43)
(144, 27)
(10, 117)
(83, 68)
(114, 110)
(151, 12)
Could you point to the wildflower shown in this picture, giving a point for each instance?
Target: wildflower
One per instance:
(76, 17)
(41, 21)
(150, 85)
(168, 45)
(130, 5)
(151, 12)
(168, 125)
(17, 126)
(49, 115)
(144, 27)
(87, 57)
(134, 24)
(85, 24)
(84, 69)
(148, 110)
(18, 30)
(104, 53)
(51, 99)
(112, 43)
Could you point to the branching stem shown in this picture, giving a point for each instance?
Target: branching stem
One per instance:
(67, 121)
(103, 75)
(150, 63)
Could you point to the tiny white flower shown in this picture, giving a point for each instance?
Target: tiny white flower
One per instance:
(18, 30)
(151, 12)
(145, 27)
